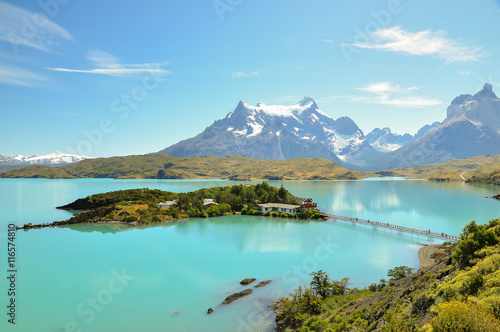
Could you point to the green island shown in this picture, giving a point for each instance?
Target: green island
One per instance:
(458, 291)
(146, 206)
(480, 170)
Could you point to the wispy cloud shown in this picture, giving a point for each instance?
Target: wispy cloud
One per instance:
(107, 64)
(241, 74)
(464, 72)
(385, 88)
(329, 41)
(20, 27)
(388, 93)
(16, 76)
(426, 42)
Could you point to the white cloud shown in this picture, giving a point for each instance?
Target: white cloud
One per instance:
(107, 64)
(329, 41)
(240, 74)
(16, 76)
(385, 87)
(384, 92)
(20, 27)
(464, 72)
(425, 42)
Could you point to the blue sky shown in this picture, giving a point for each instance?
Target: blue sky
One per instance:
(128, 77)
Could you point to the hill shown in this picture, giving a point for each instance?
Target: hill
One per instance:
(158, 166)
(482, 169)
(459, 292)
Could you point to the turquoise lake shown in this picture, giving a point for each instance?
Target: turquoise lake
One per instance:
(164, 278)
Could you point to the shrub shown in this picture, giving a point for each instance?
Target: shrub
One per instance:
(131, 219)
(284, 215)
(244, 211)
(275, 214)
(267, 214)
(472, 285)
(156, 219)
(421, 305)
(461, 316)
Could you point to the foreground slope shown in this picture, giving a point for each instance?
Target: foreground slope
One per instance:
(459, 292)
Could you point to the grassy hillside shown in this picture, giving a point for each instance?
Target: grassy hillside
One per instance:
(482, 168)
(168, 167)
(459, 293)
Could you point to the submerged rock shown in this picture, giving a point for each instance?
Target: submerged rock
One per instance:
(236, 296)
(247, 281)
(263, 283)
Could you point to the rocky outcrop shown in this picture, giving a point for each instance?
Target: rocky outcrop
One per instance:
(247, 281)
(263, 283)
(236, 296)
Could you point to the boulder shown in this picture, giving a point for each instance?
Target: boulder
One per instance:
(247, 281)
(236, 296)
(263, 283)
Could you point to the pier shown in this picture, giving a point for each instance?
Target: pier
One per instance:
(399, 229)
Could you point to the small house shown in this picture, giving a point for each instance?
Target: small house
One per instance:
(167, 204)
(207, 203)
(278, 207)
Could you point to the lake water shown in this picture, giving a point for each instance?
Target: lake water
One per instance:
(164, 278)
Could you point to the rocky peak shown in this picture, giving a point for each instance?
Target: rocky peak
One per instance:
(486, 92)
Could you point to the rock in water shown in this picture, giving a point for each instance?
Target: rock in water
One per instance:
(210, 310)
(236, 296)
(247, 281)
(263, 283)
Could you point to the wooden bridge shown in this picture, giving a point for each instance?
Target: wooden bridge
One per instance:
(399, 229)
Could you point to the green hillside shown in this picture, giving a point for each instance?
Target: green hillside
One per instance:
(482, 169)
(160, 166)
(458, 293)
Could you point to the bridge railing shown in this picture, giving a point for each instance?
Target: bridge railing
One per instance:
(398, 228)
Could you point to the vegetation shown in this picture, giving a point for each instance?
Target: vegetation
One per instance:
(162, 166)
(141, 205)
(461, 292)
(482, 170)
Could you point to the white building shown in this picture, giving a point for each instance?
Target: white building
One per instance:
(277, 207)
(167, 204)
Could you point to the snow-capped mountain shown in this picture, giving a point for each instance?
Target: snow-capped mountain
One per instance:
(279, 132)
(56, 158)
(471, 128)
(385, 140)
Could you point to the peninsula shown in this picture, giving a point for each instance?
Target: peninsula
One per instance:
(146, 206)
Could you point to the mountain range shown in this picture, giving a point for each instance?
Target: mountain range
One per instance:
(56, 158)
(471, 128)
(385, 140)
(278, 132)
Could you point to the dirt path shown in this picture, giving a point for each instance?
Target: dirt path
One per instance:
(425, 253)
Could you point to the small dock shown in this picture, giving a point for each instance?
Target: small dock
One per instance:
(399, 229)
